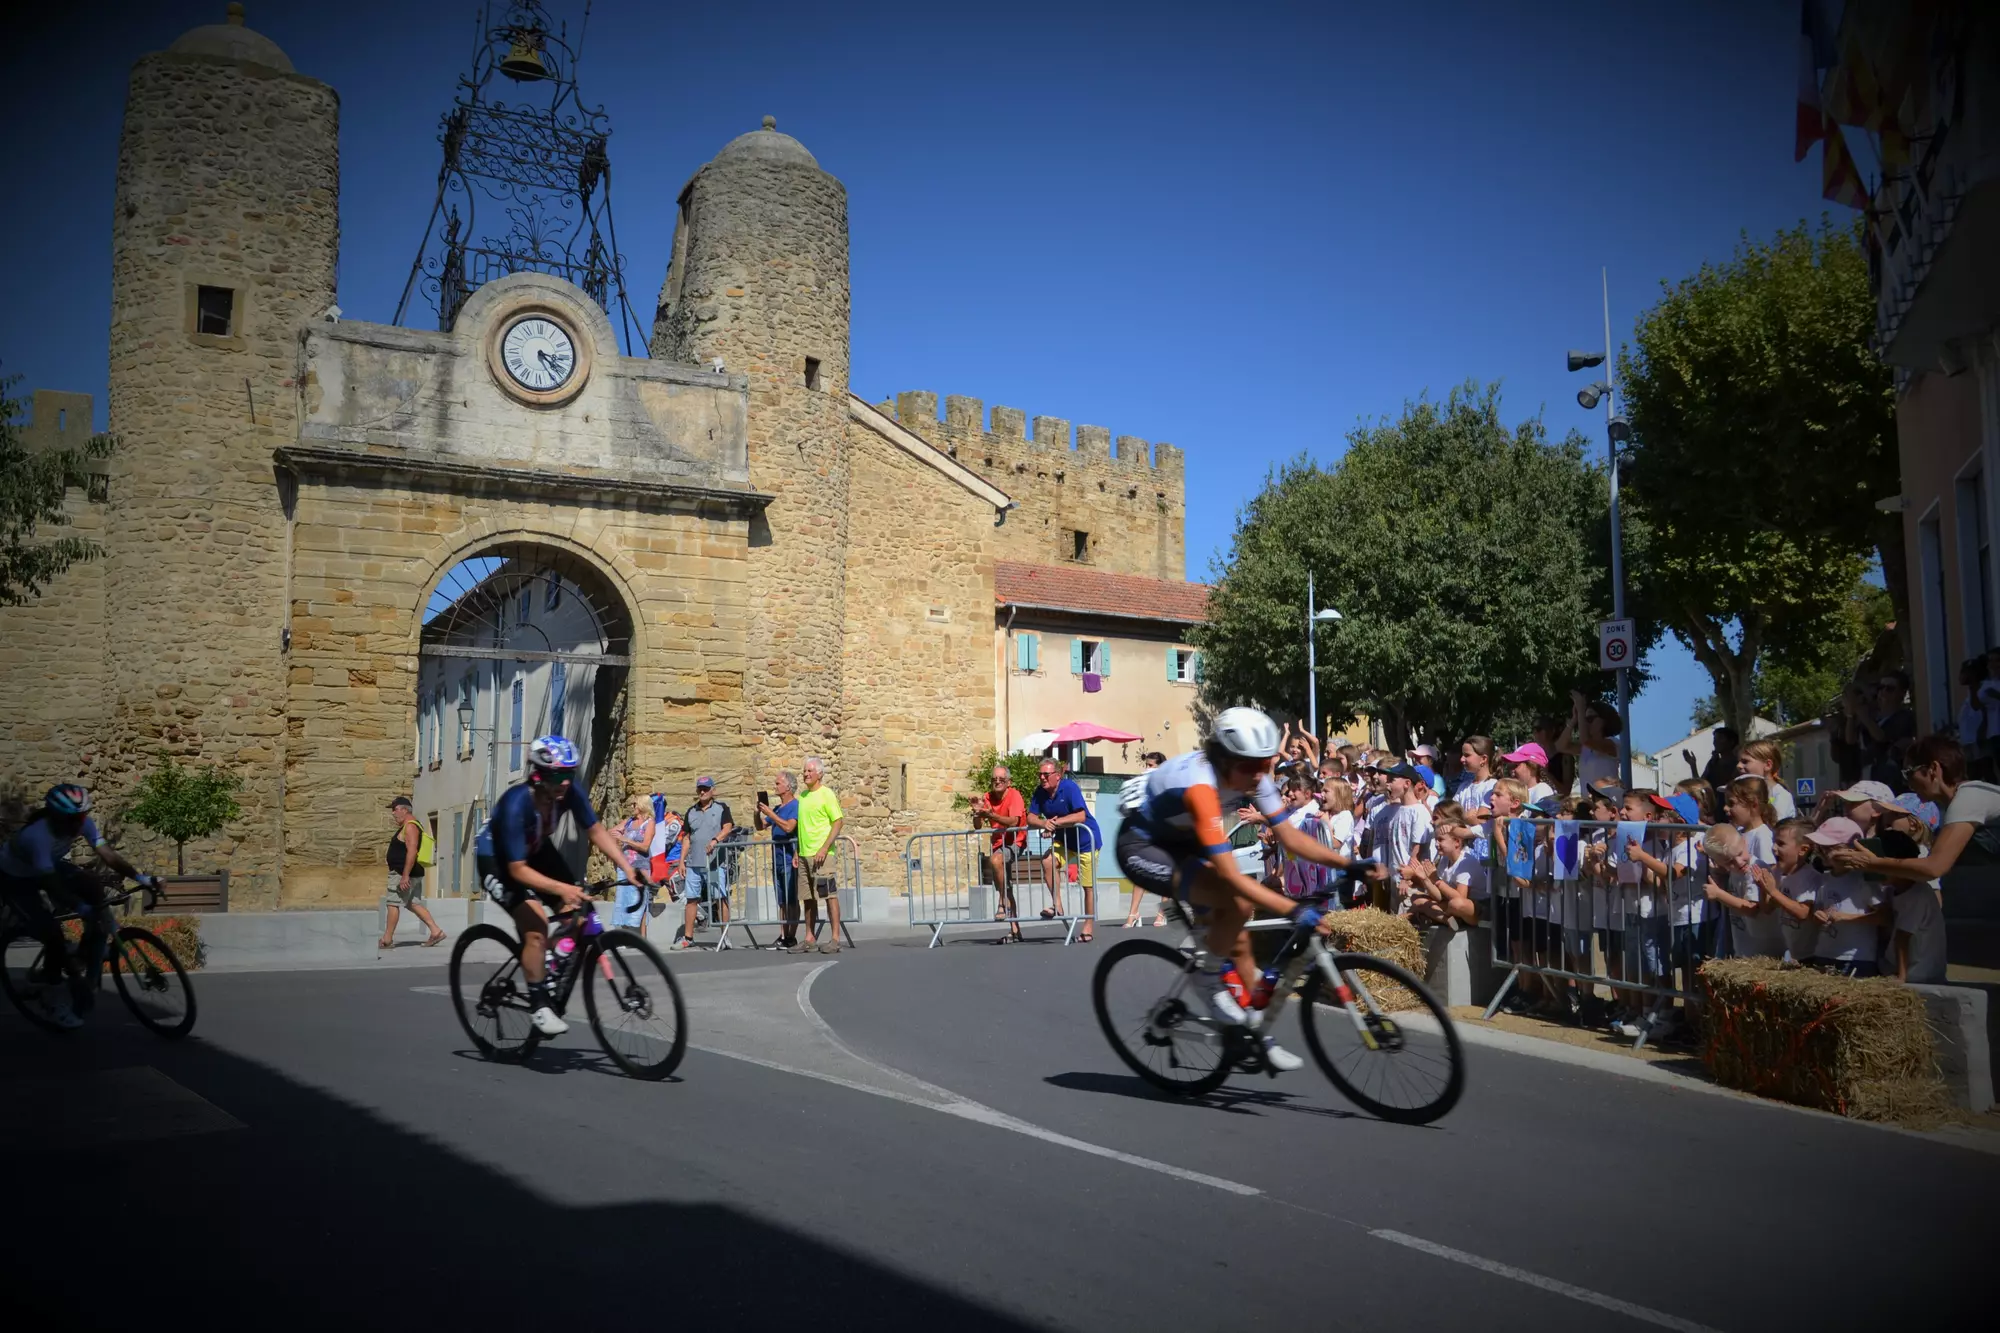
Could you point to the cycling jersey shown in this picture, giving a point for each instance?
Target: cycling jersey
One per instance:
(35, 850)
(1182, 804)
(515, 830)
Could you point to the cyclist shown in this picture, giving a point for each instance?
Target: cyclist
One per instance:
(35, 861)
(1172, 843)
(522, 870)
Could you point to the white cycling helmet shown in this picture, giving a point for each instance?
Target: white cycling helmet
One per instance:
(1247, 733)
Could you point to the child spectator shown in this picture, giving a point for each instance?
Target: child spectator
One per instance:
(1795, 888)
(1529, 764)
(1475, 776)
(1753, 932)
(1850, 911)
(1453, 888)
(1864, 802)
(1763, 759)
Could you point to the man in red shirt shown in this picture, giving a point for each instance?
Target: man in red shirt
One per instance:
(1002, 808)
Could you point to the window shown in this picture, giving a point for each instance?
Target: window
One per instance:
(1027, 652)
(1938, 673)
(1079, 545)
(466, 717)
(1089, 656)
(215, 311)
(812, 372)
(558, 697)
(1181, 665)
(514, 727)
(423, 733)
(902, 787)
(434, 751)
(526, 605)
(1975, 564)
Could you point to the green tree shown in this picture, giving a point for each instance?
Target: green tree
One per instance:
(1762, 437)
(32, 482)
(183, 804)
(1798, 683)
(1468, 561)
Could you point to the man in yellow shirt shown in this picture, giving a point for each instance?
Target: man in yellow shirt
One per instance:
(819, 824)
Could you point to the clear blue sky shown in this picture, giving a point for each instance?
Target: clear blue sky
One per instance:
(1238, 229)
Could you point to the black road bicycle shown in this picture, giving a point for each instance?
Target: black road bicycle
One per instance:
(149, 978)
(630, 995)
(1374, 1029)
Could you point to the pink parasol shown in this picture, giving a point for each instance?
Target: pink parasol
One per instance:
(1091, 731)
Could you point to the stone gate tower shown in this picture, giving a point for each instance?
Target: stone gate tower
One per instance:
(758, 280)
(225, 236)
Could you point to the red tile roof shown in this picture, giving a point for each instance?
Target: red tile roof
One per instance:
(1088, 592)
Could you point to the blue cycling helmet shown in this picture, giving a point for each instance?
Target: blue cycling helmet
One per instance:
(552, 758)
(67, 799)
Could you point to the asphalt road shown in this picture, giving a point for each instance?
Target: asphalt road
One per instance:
(937, 1137)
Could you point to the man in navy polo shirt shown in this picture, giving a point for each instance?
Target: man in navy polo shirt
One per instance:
(1058, 808)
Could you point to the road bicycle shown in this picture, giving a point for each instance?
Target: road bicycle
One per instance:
(1374, 1029)
(149, 978)
(632, 1000)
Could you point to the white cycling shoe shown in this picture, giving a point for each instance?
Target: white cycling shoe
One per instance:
(56, 1007)
(547, 1022)
(1223, 1004)
(1279, 1058)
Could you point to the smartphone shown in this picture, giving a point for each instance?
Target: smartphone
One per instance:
(763, 798)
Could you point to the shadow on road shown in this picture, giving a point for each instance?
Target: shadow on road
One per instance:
(1241, 1101)
(322, 1214)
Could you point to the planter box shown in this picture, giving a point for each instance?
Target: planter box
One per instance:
(194, 893)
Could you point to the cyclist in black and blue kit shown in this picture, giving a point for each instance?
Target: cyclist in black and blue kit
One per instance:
(36, 861)
(522, 871)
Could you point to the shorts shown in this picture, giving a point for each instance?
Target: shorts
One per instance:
(1086, 868)
(1656, 962)
(509, 894)
(1011, 852)
(710, 884)
(395, 896)
(821, 883)
(1154, 868)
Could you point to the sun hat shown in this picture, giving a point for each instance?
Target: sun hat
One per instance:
(1836, 832)
(1877, 792)
(1531, 753)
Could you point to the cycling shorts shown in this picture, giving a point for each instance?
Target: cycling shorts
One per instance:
(510, 893)
(1156, 865)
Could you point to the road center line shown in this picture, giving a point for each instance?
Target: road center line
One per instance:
(1643, 1313)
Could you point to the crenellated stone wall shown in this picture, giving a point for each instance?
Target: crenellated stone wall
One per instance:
(1130, 501)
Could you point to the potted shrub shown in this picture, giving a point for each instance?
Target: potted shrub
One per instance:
(183, 804)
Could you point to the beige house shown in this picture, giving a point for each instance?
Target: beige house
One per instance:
(1074, 644)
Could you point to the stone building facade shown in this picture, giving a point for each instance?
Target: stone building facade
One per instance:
(783, 569)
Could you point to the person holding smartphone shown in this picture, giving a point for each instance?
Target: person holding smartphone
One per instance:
(783, 821)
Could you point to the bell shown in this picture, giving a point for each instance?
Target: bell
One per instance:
(523, 62)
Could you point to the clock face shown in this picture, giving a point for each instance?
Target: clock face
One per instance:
(538, 354)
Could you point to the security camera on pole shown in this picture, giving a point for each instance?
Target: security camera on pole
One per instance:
(1616, 644)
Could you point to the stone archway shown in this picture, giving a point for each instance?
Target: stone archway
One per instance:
(518, 639)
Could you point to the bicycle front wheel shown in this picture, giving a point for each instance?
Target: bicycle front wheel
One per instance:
(634, 1005)
(1402, 1063)
(152, 982)
(1155, 1017)
(490, 994)
(24, 975)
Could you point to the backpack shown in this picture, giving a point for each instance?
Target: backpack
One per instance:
(426, 845)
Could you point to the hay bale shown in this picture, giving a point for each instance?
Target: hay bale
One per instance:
(1858, 1048)
(1365, 930)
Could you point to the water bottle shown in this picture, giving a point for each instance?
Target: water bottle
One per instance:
(565, 945)
(1267, 985)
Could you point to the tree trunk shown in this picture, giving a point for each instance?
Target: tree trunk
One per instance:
(1733, 670)
(180, 858)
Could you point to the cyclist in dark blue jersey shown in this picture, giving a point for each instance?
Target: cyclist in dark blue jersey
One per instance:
(522, 871)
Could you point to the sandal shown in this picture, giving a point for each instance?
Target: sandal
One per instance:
(1048, 913)
(384, 944)
(434, 940)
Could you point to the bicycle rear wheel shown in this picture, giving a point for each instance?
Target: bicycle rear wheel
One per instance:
(152, 982)
(490, 994)
(1155, 1018)
(1405, 1066)
(634, 1005)
(23, 968)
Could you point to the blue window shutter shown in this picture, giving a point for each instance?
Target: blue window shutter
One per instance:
(1104, 659)
(1034, 652)
(1173, 664)
(1076, 657)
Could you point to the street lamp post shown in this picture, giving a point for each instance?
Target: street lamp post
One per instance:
(1617, 431)
(1313, 618)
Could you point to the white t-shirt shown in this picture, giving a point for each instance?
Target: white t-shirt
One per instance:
(1468, 872)
(1756, 935)
(1407, 828)
(1920, 915)
(1849, 941)
(1475, 794)
(1801, 937)
(1594, 766)
(1973, 803)
(1541, 791)
(1340, 832)
(1781, 800)
(1378, 828)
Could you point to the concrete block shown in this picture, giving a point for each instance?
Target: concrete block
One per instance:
(1958, 1022)
(1486, 975)
(1448, 969)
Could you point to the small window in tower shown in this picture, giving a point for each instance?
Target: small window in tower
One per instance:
(214, 311)
(812, 372)
(1079, 545)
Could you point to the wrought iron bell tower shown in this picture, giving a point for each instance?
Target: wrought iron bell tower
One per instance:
(525, 184)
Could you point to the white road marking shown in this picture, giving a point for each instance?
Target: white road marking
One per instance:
(1643, 1313)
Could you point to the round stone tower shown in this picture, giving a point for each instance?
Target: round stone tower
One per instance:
(224, 239)
(758, 281)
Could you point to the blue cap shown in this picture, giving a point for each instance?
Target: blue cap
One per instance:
(1686, 807)
(701, 782)
(1424, 772)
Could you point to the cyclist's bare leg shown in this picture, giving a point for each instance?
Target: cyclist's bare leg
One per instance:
(532, 920)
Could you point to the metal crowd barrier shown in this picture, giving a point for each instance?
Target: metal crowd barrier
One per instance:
(950, 881)
(1566, 903)
(749, 874)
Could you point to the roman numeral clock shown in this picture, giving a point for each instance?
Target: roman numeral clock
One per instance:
(538, 356)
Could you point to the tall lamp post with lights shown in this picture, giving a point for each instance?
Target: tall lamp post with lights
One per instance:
(1313, 621)
(1618, 433)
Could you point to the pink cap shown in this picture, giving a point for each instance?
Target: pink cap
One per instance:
(1836, 832)
(1531, 752)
